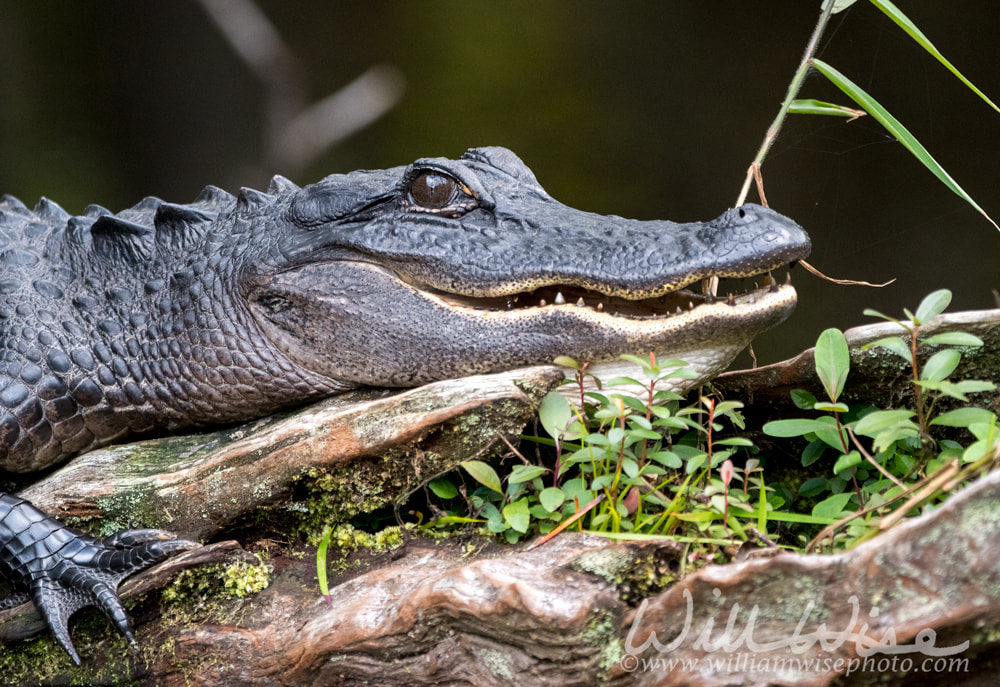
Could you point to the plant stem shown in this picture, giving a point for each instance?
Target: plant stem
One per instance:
(793, 91)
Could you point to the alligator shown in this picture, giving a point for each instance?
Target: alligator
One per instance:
(227, 309)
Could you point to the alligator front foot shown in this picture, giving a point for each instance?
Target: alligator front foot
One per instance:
(64, 570)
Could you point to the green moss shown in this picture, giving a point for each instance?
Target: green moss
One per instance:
(349, 539)
(636, 577)
(243, 579)
(199, 585)
(496, 662)
(601, 631)
(104, 654)
(608, 563)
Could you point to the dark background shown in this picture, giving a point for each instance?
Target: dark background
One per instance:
(642, 109)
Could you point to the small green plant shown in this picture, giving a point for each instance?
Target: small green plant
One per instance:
(871, 489)
(646, 464)
(624, 465)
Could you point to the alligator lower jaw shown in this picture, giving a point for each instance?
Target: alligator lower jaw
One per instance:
(683, 303)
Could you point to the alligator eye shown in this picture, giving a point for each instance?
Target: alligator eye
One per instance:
(433, 191)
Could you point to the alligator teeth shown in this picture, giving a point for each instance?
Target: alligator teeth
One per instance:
(600, 307)
(580, 303)
(710, 286)
(678, 311)
(559, 298)
(542, 303)
(731, 300)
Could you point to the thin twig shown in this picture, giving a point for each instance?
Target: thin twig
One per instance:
(846, 282)
(868, 457)
(793, 91)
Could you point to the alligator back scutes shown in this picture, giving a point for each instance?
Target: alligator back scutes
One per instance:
(137, 234)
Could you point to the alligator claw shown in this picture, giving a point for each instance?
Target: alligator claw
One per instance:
(65, 570)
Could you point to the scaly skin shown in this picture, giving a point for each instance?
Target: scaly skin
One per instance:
(230, 308)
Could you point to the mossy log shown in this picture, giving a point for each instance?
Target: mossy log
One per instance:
(371, 448)
(583, 611)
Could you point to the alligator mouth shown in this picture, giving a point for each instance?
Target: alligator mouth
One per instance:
(567, 296)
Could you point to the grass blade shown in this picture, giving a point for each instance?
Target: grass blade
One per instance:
(891, 11)
(898, 131)
(324, 588)
(819, 107)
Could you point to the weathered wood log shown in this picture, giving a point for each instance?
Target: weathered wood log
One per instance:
(568, 612)
(378, 448)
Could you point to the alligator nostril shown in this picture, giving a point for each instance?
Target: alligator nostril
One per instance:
(742, 213)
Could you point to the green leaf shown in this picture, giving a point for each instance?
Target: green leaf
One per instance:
(484, 474)
(551, 498)
(875, 422)
(972, 386)
(525, 473)
(940, 365)
(933, 305)
(833, 361)
(812, 452)
(847, 462)
(832, 506)
(630, 467)
(831, 437)
(813, 486)
(793, 428)
(517, 516)
(819, 107)
(638, 421)
(892, 343)
(554, 413)
(962, 417)
(959, 390)
(566, 361)
(904, 22)
(734, 441)
(954, 339)
(726, 406)
(602, 482)
(871, 312)
(624, 381)
(831, 407)
(894, 127)
(802, 399)
(443, 488)
(667, 458)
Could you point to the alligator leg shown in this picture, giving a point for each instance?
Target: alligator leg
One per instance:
(63, 570)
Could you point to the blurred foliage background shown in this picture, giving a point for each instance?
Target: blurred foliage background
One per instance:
(637, 108)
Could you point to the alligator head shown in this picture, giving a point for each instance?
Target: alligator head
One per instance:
(447, 268)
